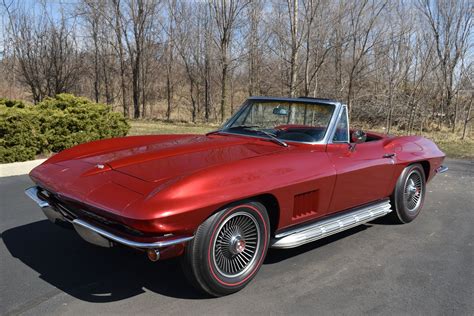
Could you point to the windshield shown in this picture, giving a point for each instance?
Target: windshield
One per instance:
(284, 120)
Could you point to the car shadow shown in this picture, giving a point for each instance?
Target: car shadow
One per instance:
(96, 274)
(385, 220)
(277, 255)
(89, 272)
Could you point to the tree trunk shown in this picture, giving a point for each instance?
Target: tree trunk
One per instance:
(193, 101)
(169, 67)
(467, 118)
(96, 63)
(136, 87)
(294, 47)
(224, 85)
(107, 88)
(143, 87)
(293, 9)
(169, 89)
(390, 111)
(118, 33)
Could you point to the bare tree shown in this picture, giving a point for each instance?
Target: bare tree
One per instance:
(46, 51)
(451, 25)
(466, 85)
(117, 24)
(397, 64)
(397, 53)
(254, 13)
(170, 56)
(225, 14)
(363, 16)
(317, 44)
(140, 14)
(295, 45)
(187, 31)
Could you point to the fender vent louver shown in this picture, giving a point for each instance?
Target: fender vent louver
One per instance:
(305, 204)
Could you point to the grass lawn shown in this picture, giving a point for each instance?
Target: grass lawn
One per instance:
(158, 127)
(450, 144)
(457, 148)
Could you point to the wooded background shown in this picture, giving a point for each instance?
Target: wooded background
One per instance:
(401, 64)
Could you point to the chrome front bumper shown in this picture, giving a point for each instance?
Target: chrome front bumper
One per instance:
(96, 235)
(441, 169)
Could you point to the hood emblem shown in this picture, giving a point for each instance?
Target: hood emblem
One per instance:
(100, 166)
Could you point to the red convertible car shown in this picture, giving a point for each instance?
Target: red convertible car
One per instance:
(280, 173)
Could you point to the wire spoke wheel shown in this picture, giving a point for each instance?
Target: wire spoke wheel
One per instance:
(228, 248)
(236, 243)
(413, 191)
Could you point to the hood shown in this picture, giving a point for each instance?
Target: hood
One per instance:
(179, 157)
(175, 157)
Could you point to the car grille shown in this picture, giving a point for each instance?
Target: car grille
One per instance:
(71, 211)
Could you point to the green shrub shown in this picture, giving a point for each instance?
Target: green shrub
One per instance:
(53, 125)
(68, 120)
(20, 134)
(12, 103)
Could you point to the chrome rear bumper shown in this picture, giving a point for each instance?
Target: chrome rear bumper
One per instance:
(97, 235)
(441, 169)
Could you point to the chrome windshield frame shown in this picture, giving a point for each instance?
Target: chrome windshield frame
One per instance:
(331, 137)
(329, 131)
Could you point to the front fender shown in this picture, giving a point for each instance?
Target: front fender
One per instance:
(183, 205)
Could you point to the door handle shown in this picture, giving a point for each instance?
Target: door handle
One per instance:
(391, 155)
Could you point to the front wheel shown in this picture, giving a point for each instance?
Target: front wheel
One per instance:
(228, 249)
(409, 194)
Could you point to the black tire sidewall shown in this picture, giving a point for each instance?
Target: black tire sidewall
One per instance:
(207, 275)
(403, 214)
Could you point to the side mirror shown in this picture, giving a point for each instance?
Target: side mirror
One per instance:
(358, 137)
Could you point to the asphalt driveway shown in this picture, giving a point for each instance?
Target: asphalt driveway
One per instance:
(425, 267)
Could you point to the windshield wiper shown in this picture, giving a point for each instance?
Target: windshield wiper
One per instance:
(252, 128)
(231, 128)
(272, 136)
(217, 131)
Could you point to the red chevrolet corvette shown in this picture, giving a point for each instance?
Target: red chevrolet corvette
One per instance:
(280, 173)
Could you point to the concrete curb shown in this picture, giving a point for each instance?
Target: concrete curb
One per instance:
(18, 168)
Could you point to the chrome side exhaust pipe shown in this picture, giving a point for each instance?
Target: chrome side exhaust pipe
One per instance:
(332, 225)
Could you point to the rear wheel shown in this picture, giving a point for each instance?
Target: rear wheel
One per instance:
(228, 249)
(409, 194)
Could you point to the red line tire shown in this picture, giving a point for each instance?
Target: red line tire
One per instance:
(228, 249)
(409, 194)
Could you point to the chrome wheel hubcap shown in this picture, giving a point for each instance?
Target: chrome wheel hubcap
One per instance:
(413, 191)
(235, 246)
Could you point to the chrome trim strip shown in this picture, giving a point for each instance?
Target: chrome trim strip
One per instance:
(130, 243)
(32, 193)
(266, 138)
(331, 137)
(332, 123)
(441, 169)
(330, 226)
